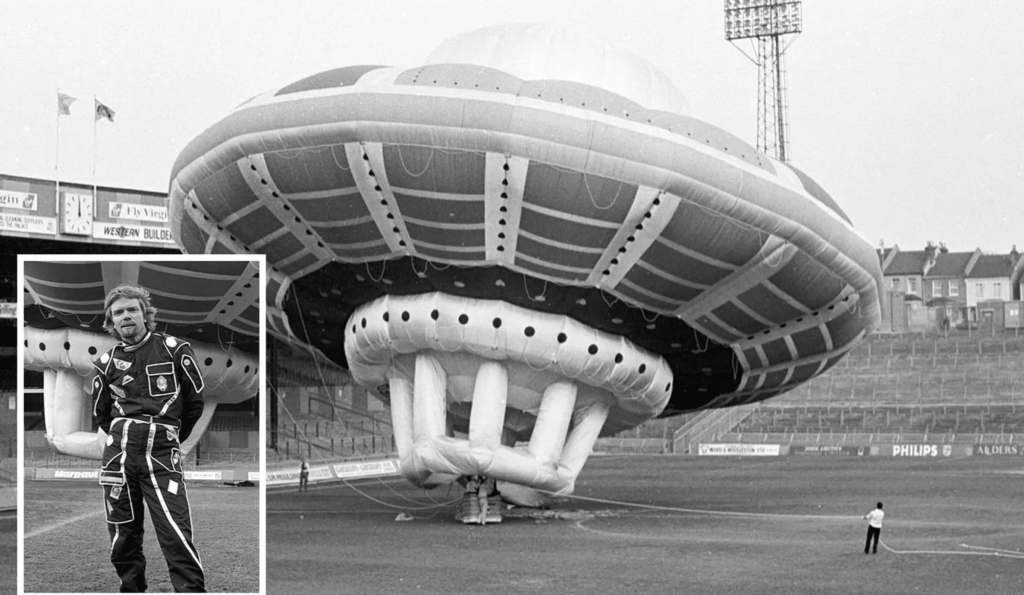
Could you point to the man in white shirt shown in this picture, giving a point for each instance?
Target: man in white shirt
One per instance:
(874, 519)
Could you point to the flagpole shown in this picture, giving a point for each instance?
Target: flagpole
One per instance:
(56, 162)
(94, 119)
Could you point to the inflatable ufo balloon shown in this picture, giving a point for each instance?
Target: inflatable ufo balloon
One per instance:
(213, 305)
(526, 239)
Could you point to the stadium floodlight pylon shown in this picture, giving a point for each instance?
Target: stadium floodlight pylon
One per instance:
(767, 23)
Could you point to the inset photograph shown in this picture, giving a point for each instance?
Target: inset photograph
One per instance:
(141, 423)
(8, 433)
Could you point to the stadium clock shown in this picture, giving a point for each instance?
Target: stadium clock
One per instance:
(77, 216)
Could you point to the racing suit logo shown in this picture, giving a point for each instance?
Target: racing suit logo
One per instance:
(161, 379)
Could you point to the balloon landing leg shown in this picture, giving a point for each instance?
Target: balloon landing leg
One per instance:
(481, 502)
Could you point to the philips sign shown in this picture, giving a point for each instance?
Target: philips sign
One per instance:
(921, 450)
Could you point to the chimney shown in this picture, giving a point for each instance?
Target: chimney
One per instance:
(1014, 255)
(929, 257)
(942, 248)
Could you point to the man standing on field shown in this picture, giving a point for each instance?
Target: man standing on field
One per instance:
(874, 519)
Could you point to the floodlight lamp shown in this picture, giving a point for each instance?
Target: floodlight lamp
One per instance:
(761, 18)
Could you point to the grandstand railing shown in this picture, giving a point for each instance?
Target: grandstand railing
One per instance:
(701, 423)
(227, 458)
(8, 473)
(922, 370)
(664, 427)
(937, 419)
(687, 438)
(8, 448)
(857, 439)
(915, 388)
(293, 443)
(277, 461)
(633, 445)
(319, 428)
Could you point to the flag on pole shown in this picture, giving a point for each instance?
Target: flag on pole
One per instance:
(64, 102)
(103, 111)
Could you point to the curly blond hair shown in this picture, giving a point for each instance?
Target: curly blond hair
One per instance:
(129, 292)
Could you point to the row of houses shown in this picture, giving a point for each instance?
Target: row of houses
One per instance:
(936, 288)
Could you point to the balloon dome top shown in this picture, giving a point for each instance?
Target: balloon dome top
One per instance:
(540, 51)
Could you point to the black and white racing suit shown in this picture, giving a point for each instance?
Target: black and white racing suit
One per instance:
(147, 398)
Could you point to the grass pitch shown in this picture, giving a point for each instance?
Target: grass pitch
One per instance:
(668, 524)
(8, 553)
(67, 547)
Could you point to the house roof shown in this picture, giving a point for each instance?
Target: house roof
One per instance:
(949, 264)
(906, 263)
(991, 266)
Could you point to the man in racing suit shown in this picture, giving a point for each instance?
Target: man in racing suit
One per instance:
(147, 395)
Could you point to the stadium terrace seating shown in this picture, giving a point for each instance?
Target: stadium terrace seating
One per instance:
(323, 414)
(880, 419)
(233, 421)
(913, 371)
(942, 388)
(313, 436)
(658, 428)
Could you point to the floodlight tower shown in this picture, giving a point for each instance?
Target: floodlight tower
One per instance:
(767, 23)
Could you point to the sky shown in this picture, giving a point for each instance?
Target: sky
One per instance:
(910, 114)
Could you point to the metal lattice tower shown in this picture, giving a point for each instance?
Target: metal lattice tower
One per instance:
(767, 23)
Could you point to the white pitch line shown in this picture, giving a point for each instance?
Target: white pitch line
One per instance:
(48, 528)
(999, 554)
(993, 549)
(769, 515)
(579, 525)
(313, 511)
